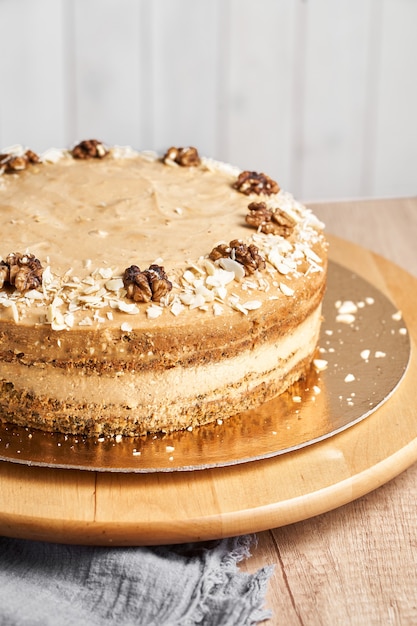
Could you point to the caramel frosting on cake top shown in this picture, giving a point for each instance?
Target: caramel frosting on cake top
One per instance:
(182, 223)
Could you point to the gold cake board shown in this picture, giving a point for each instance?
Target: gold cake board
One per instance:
(90, 507)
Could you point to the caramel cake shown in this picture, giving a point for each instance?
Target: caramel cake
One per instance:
(143, 293)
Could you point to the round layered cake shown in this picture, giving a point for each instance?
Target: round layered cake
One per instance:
(145, 293)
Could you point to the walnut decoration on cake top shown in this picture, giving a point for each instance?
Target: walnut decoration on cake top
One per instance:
(279, 247)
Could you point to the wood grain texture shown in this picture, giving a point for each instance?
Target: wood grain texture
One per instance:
(357, 564)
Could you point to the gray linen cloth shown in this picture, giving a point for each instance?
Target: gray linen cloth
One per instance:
(48, 584)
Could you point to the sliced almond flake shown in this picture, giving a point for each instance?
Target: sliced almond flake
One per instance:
(74, 305)
(109, 315)
(249, 284)
(365, 354)
(345, 318)
(397, 316)
(57, 301)
(369, 300)
(98, 318)
(114, 284)
(196, 268)
(311, 255)
(252, 305)
(286, 290)
(154, 311)
(52, 155)
(217, 308)
(186, 298)
(91, 301)
(15, 312)
(69, 320)
(105, 272)
(89, 280)
(91, 289)
(235, 304)
(209, 266)
(197, 301)
(189, 277)
(347, 307)
(207, 294)
(402, 331)
(126, 307)
(47, 276)
(275, 258)
(126, 327)
(313, 268)
(350, 378)
(220, 278)
(177, 308)
(86, 321)
(379, 354)
(233, 266)
(320, 364)
(34, 294)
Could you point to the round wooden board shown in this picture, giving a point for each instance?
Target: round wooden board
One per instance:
(85, 507)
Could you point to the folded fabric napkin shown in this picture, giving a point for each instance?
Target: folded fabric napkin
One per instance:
(47, 584)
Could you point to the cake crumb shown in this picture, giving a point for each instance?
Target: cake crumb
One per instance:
(118, 438)
(320, 364)
(345, 318)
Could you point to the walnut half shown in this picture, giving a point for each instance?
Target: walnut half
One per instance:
(22, 271)
(248, 256)
(89, 149)
(151, 284)
(270, 221)
(252, 182)
(187, 157)
(10, 163)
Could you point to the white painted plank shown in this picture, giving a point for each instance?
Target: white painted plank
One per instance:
(183, 74)
(337, 66)
(260, 85)
(107, 70)
(33, 109)
(396, 111)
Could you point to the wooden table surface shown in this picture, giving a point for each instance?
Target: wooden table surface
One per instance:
(355, 565)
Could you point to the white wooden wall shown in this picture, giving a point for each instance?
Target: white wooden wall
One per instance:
(320, 94)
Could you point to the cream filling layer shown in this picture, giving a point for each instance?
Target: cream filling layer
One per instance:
(147, 389)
